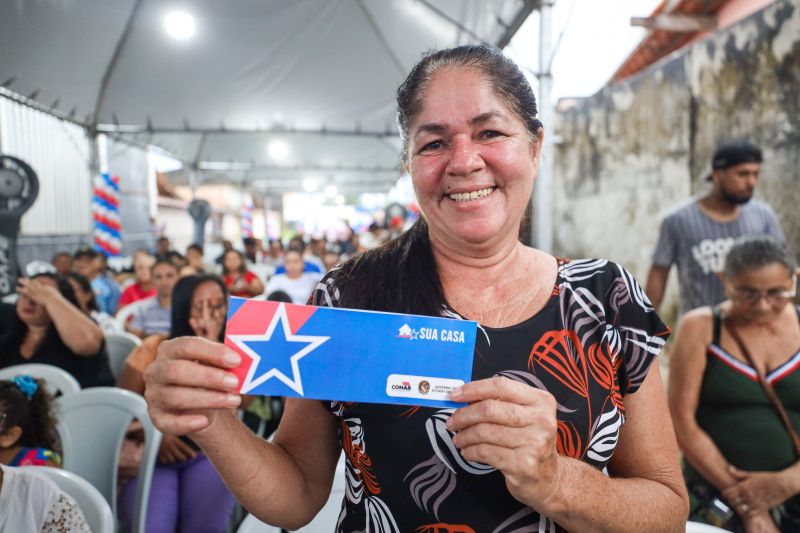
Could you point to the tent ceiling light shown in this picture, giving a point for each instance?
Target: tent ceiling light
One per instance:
(310, 185)
(179, 25)
(278, 150)
(339, 199)
(331, 191)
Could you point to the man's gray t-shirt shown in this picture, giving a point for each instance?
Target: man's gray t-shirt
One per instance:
(697, 244)
(151, 318)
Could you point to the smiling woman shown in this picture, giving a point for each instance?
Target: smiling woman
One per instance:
(563, 381)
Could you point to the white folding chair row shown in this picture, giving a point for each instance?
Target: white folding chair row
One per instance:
(127, 312)
(92, 426)
(119, 346)
(96, 510)
(57, 380)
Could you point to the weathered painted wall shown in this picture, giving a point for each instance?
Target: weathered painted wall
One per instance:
(635, 148)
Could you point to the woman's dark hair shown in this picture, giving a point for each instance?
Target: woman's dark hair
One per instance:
(401, 276)
(503, 75)
(163, 260)
(86, 286)
(242, 265)
(14, 335)
(35, 415)
(182, 296)
(756, 251)
(279, 296)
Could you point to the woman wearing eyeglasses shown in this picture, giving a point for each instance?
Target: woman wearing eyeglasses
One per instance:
(734, 394)
(186, 493)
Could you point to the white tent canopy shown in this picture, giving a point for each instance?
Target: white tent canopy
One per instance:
(318, 75)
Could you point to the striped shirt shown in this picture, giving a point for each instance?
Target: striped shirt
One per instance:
(151, 318)
(698, 245)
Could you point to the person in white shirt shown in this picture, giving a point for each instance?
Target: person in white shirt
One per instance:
(32, 503)
(294, 282)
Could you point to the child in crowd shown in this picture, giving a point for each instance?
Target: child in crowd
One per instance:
(31, 502)
(27, 424)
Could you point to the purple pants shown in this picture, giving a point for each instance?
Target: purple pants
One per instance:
(188, 496)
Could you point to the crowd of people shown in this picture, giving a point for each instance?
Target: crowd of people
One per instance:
(60, 317)
(566, 424)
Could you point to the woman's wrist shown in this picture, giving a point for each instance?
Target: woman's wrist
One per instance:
(50, 298)
(790, 478)
(556, 503)
(208, 437)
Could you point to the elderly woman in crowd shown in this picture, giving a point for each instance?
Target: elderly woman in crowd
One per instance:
(46, 325)
(564, 384)
(733, 394)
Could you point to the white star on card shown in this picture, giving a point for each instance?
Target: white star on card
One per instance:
(295, 382)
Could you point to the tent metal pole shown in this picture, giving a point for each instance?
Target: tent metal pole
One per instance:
(452, 21)
(520, 18)
(543, 191)
(112, 64)
(135, 129)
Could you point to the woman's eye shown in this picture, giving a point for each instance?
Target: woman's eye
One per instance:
(433, 145)
(489, 134)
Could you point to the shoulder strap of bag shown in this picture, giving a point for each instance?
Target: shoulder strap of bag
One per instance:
(716, 322)
(768, 390)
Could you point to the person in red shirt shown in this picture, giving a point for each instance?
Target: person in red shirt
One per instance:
(239, 280)
(143, 286)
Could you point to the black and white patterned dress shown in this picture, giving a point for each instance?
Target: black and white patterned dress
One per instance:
(591, 344)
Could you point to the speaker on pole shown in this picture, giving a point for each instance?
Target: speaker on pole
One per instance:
(19, 187)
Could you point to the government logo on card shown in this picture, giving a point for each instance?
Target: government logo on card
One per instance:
(405, 332)
(430, 334)
(424, 387)
(405, 385)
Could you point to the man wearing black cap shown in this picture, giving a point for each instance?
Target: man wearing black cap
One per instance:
(697, 234)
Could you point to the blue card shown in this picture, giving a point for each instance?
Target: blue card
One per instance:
(325, 353)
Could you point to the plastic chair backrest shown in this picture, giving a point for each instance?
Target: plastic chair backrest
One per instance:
(57, 379)
(95, 508)
(119, 346)
(697, 527)
(124, 314)
(92, 425)
(251, 524)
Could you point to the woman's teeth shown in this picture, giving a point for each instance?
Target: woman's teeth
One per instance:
(468, 196)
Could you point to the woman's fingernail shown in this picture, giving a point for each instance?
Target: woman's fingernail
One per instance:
(230, 381)
(457, 393)
(198, 423)
(233, 400)
(232, 358)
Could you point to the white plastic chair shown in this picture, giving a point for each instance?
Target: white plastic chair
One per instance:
(95, 508)
(92, 425)
(119, 346)
(127, 312)
(57, 379)
(697, 527)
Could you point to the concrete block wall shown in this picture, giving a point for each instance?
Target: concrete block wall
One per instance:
(629, 152)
